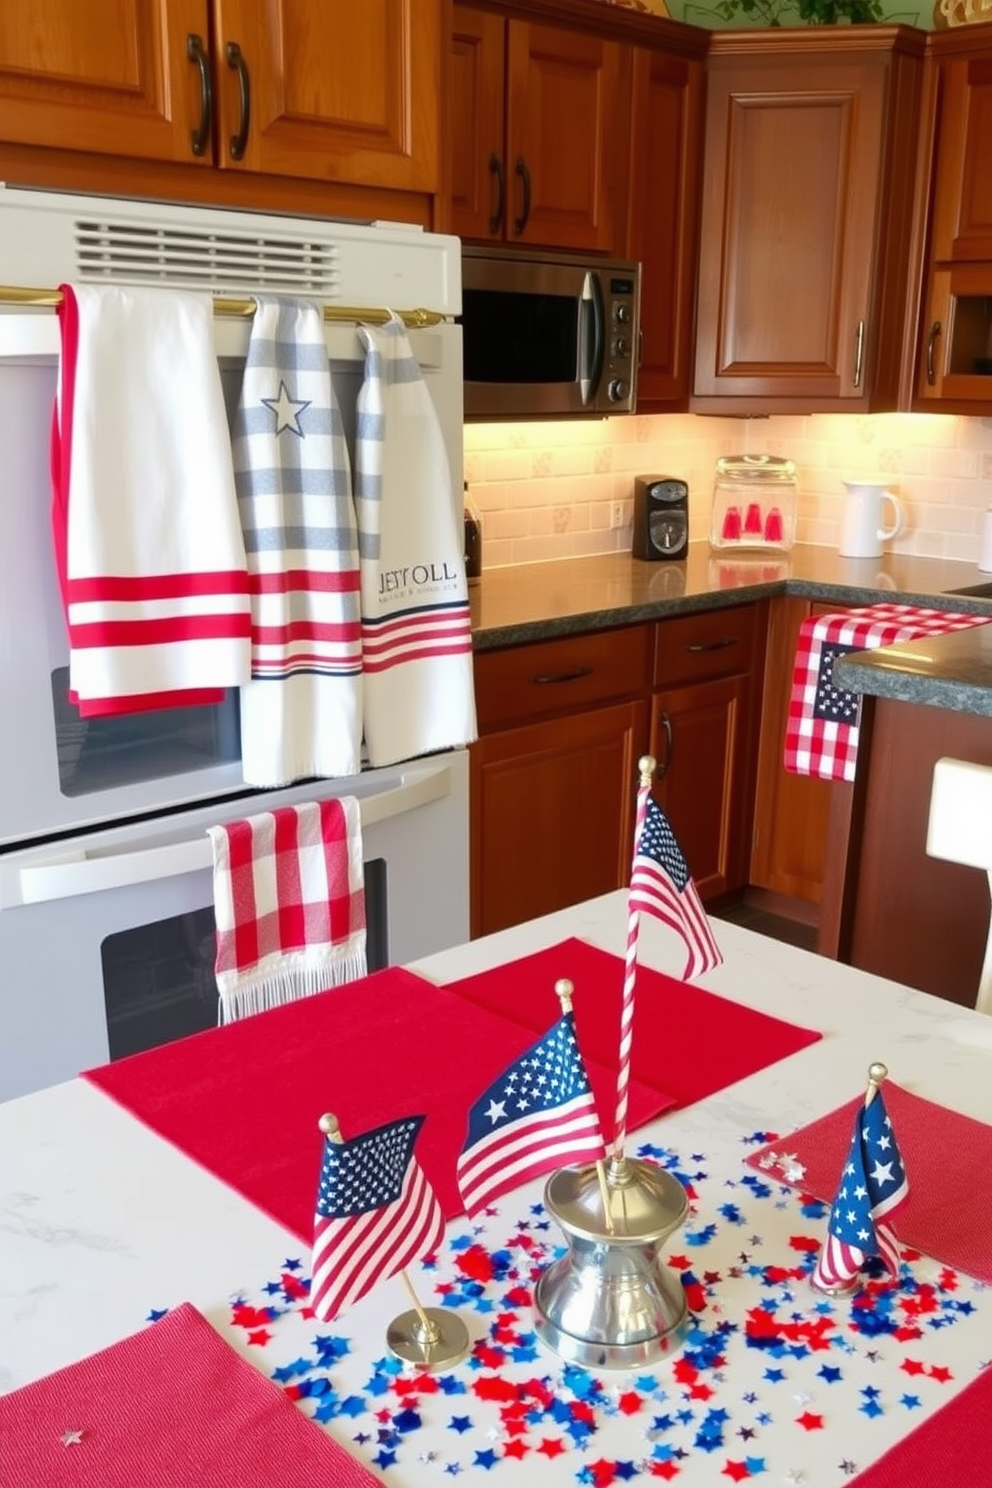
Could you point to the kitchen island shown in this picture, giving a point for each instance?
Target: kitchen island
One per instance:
(105, 1225)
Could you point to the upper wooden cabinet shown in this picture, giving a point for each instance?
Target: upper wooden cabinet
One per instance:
(539, 116)
(810, 154)
(310, 90)
(666, 157)
(954, 351)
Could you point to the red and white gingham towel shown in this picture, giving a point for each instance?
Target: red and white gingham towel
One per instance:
(289, 901)
(821, 736)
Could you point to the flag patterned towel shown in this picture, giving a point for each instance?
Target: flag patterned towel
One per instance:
(416, 630)
(301, 712)
(144, 518)
(289, 901)
(821, 735)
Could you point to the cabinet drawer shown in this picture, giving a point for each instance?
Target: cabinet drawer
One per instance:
(566, 675)
(714, 643)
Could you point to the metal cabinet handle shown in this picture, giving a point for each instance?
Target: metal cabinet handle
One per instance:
(663, 765)
(200, 136)
(859, 349)
(496, 167)
(935, 330)
(237, 63)
(553, 678)
(720, 645)
(521, 222)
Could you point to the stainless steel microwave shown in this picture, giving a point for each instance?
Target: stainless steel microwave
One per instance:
(548, 335)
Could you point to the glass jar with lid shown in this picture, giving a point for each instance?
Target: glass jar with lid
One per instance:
(754, 503)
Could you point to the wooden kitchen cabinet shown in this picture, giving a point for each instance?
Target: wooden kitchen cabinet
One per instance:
(704, 718)
(810, 157)
(954, 353)
(179, 97)
(553, 774)
(666, 160)
(539, 120)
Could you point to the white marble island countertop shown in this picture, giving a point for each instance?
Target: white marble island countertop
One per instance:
(104, 1225)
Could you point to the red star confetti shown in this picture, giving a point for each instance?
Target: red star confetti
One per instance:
(809, 1421)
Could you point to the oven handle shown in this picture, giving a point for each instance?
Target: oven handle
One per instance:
(40, 883)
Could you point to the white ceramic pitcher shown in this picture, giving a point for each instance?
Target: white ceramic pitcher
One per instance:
(862, 532)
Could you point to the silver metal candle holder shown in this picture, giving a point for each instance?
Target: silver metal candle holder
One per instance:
(611, 1302)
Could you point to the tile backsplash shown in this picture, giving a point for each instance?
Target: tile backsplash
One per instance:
(558, 490)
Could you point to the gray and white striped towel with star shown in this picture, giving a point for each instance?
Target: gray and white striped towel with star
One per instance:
(301, 714)
(418, 693)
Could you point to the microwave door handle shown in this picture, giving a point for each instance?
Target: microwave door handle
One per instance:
(69, 875)
(592, 337)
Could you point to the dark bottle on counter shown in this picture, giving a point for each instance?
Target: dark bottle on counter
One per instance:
(473, 541)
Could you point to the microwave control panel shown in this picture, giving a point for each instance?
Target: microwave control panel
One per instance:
(621, 318)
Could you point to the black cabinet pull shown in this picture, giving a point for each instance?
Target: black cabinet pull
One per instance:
(663, 765)
(237, 63)
(713, 645)
(521, 222)
(931, 347)
(553, 678)
(496, 167)
(200, 136)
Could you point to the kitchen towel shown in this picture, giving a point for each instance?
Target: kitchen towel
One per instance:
(145, 524)
(947, 1157)
(687, 1042)
(418, 693)
(821, 736)
(244, 1100)
(289, 903)
(301, 714)
(170, 1407)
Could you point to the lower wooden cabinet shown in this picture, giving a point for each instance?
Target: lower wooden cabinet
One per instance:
(791, 812)
(552, 813)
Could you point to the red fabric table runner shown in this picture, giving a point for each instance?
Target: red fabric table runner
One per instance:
(172, 1406)
(687, 1042)
(950, 1449)
(947, 1157)
(244, 1100)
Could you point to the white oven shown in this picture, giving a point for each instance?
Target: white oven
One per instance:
(106, 922)
(107, 939)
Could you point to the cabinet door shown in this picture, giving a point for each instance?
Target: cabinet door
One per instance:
(698, 737)
(552, 807)
(955, 367)
(566, 137)
(962, 207)
(475, 123)
(336, 91)
(793, 158)
(791, 812)
(663, 219)
(108, 76)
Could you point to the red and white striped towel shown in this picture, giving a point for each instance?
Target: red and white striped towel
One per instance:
(821, 736)
(145, 523)
(289, 901)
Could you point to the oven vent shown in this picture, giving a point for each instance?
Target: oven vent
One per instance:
(225, 262)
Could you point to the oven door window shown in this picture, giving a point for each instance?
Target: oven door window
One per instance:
(98, 754)
(158, 979)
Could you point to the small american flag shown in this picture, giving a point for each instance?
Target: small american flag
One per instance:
(872, 1186)
(376, 1212)
(539, 1115)
(660, 884)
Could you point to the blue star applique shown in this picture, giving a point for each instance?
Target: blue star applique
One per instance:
(287, 410)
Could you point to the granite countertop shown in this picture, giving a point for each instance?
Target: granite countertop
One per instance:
(543, 601)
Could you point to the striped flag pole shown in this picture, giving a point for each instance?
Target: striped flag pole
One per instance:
(646, 765)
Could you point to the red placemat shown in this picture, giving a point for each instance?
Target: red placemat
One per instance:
(950, 1449)
(947, 1157)
(244, 1100)
(172, 1406)
(687, 1042)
